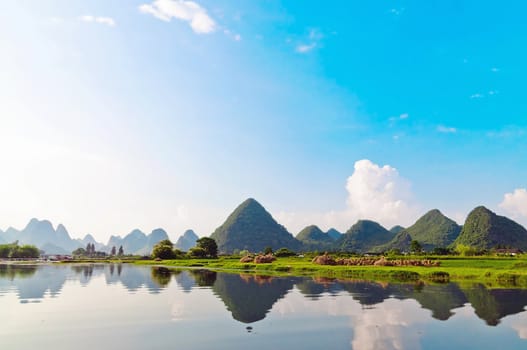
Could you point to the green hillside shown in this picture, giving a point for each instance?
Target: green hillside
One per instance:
(364, 236)
(484, 229)
(251, 227)
(313, 238)
(434, 230)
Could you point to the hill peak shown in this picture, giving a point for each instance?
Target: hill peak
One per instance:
(250, 226)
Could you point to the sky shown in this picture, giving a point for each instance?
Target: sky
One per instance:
(117, 115)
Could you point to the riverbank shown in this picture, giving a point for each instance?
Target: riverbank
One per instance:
(492, 271)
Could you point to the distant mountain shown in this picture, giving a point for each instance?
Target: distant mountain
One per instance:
(42, 234)
(187, 241)
(396, 229)
(484, 229)
(251, 227)
(434, 230)
(313, 238)
(58, 241)
(334, 234)
(364, 236)
(401, 242)
(88, 239)
(137, 242)
(50, 248)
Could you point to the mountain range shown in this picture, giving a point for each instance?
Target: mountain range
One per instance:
(43, 235)
(251, 227)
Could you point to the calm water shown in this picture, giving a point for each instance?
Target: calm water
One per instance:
(121, 306)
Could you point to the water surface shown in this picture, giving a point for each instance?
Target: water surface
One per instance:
(126, 306)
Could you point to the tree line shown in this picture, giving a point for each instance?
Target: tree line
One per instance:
(15, 251)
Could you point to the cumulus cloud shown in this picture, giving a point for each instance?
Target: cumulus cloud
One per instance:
(94, 19)
(379, 193)
(375, 192)
(515, 203)
(446, 129)
(188, 11)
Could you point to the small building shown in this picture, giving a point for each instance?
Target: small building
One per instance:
(508, 251)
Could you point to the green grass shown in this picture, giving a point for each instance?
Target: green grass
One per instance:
(493, 271)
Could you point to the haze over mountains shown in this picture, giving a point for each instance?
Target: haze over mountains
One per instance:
(42, 234)
(251, 227)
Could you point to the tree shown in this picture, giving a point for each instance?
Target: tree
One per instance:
(268, 250)
(415, 247)
(209, 246)
(121, 251)
(163, 250)
(197, 252)
(79, 252)
(113, 251)
(283, 252)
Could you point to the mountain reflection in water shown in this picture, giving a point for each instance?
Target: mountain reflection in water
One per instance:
(250, 297)
(137, 307)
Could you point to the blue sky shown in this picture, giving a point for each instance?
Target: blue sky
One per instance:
(124, 114)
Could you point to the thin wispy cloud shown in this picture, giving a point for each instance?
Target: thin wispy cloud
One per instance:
(302, 48)
(397, 12)
(314, 38)
(476, 96)
(188, 11)
(446, 129)
(97, 19)
(494, 69)
(400, 117)
(233, 36)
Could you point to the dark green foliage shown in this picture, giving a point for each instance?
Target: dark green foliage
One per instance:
(313, 238)
(284, 252)
(251, 227)
(484, 229)
(197, 252)
(80, 252)
(209, 246)
(121, 251)
(434, 230)
(441, 251)
(364, 236)
(164, 250)
(415, 246)
(15, 251)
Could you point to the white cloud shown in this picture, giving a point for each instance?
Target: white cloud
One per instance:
(494, 69)
(493, 92)
(446, 129)
(94, 19)
(305, 48)
(313, 37)
(187, 11)
(515, 203)
(374, 192)
(478, 95)
(379, 193)
(395, 119)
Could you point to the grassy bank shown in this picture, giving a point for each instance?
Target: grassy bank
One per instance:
(493, 271)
